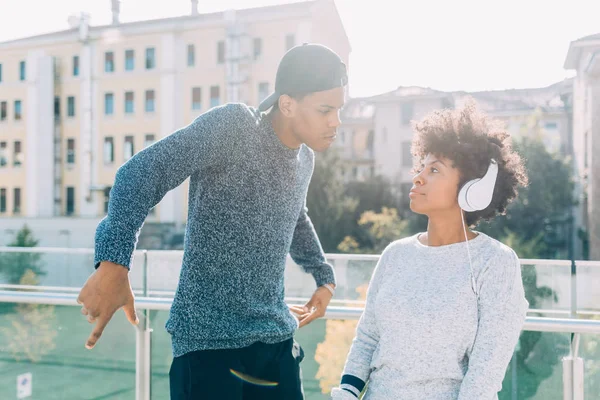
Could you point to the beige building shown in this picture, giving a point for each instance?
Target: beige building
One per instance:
(392, 141)
(545, 111)
(387, 118)
(583, 57)
(355, 139)
(76, 104)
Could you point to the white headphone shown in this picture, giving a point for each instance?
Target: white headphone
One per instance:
(476, 194)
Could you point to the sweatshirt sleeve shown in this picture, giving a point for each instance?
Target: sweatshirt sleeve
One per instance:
(144, 180)
(358, 363)
(502, 312)
(307, 252)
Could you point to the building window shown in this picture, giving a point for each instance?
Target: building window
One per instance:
(109, 104)
(128, 150)
(407, 158)
(550, 126)
(56, 108)
(221, 52)
(109, 61)
(22, 70)
(3, 155)
(2, 200)
(17, 200)
(407, 112)
(128, 102)
(0, 72)
(18, 110)
(109, 150)
(257, 48)
(191, 55)
(196, 98)
(150, 58)
(214, 96)
(3, 110)
(70, 151)
(263, 91)
(149, 101)
(384, 134)
(17, 154)
(148, 139)
(106, 198)
(129, 60)
(75, 65)
(71, 106)
(290, 41)
(70, 203)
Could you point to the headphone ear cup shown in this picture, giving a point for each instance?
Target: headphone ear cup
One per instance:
(481, 192)
(463, 196)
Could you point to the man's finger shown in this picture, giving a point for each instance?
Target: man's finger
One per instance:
(298, 310)
(130, 312)
(79, 301)
(91, 319)
(84, 311)
(308, 319)
(97, 332)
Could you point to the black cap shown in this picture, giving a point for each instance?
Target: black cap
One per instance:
(307, 68)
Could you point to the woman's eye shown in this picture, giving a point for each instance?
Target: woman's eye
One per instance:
(434, 169)
(324, 112)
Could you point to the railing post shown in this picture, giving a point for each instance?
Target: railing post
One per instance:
(573, 290)
(143, 344)
(573, 372)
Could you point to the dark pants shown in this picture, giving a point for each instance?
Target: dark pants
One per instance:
(208, 374)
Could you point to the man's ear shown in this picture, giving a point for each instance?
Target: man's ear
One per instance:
(287, 105)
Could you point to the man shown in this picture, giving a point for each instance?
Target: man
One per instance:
(250, 172)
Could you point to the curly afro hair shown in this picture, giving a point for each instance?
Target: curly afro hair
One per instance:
(470, 139)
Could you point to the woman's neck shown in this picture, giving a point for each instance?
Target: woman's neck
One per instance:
(445, 230)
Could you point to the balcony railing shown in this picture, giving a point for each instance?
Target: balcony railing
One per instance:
(566, 303)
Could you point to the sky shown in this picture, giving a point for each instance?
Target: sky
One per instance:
(469, 45)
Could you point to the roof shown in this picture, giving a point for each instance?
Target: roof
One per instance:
(299, 6)
(410, 93)
(546, 98)
(576, 47)
(362, 109)
(549, 98)
(595, 36)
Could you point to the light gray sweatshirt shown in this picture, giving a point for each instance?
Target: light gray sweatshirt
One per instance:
(425, 334)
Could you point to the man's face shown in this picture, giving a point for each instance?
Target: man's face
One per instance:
(316, 118)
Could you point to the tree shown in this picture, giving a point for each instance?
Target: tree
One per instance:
(380, 229)
(32, 329)
(372, 195)
(329, 208)
(14, 265)
(542, 207)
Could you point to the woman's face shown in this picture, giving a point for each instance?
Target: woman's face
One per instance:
(435, 187)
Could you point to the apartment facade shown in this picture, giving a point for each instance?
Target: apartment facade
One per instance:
(356, 139)
(394, 113)
(77, 104)
(583, 57)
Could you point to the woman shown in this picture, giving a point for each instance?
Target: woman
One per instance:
(445, 307)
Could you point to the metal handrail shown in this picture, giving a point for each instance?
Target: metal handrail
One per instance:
(330, 256)
(540, 324)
